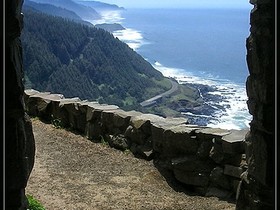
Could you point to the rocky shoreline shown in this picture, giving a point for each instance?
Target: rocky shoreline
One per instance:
(199, 107)
(209, 109)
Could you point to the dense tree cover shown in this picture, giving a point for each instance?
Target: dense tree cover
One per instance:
(81, 61)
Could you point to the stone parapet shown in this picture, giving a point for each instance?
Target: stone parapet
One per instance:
(210, 160)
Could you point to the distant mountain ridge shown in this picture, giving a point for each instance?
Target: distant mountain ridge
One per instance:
(85, 12)
(55, 11)
(97, 5)
(70, 11)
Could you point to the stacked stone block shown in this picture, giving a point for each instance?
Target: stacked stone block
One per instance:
(210, 160)
(258, 185)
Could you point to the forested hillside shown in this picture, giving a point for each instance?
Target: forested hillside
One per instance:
(81, 61)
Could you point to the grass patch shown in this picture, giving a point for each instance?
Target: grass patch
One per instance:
(171, 106)
(161, 87)
(34, 204)
(165, 83)
(162, 110)
(57, 123)
(130, 101)
(103, 141)
(127, 152)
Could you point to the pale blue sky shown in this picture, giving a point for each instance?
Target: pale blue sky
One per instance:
(181, 3)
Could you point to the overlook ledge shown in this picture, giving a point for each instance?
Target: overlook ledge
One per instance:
(210, 161)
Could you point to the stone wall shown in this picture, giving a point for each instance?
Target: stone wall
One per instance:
(19, 140)
(209, 160)
(257, 190)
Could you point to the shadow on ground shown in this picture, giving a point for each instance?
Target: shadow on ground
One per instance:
(183, 188)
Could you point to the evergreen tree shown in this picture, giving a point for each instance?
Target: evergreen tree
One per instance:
(76, 60)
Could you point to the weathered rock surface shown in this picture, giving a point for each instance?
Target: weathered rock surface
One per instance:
(257, 188)
(19, 140)
(118, 142)
(233, 143)
(219, 179)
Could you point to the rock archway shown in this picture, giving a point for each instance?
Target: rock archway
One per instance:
(257, 188)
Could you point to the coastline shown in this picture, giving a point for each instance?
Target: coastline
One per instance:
(224, 101)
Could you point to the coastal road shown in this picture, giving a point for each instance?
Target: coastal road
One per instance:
(154, 99)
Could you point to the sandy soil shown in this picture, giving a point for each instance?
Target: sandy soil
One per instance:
(72, 173)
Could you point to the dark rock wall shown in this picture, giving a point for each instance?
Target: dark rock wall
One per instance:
(257, 189)
(19, 140)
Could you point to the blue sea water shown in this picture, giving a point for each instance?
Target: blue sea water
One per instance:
(201, 46)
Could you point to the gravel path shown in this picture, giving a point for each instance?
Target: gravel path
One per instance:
(72, 173)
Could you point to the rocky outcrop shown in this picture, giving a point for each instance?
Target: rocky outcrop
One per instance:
(19, 140)
(209, 160)
(110, 27)
(257, 188)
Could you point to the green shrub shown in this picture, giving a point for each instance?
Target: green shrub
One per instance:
(57, 123)
(127, 151)
(103, 141)
(34, 204)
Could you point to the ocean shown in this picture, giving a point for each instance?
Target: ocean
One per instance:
(199, 46)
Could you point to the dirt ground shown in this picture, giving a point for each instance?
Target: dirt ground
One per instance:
(73, 173)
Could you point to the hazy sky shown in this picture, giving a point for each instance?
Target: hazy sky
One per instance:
(181, 3)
